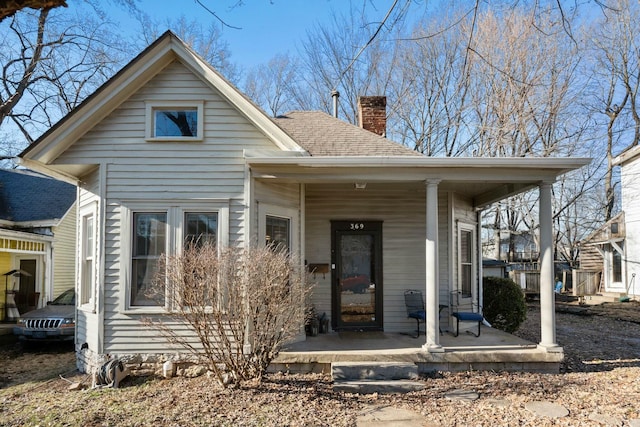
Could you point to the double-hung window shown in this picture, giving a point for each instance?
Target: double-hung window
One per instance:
(465, 260)
(87, 257)
(149, 243)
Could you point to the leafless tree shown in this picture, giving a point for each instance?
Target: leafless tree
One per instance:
(231, 309)
(207, 41)
(50, 60)
(615, 48)
(273, 86)
(327, 62)
(10, 7)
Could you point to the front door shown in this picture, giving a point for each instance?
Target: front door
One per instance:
(356, 248)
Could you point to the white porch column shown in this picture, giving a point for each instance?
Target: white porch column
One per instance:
(547, 297)
(431, 262)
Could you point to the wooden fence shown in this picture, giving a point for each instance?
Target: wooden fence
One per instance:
(586, 282)
(529, 280)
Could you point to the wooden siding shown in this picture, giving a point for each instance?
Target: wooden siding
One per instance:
(402, 209)
(631, 207)
(64, 253)
(173, 172)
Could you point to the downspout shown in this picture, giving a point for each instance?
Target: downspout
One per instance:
(335, 95)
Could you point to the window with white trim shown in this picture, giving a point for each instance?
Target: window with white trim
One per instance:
(465, 260)
(171, 121)
(278, 227)
(154, 230)
(149, 243)
(278, 233)
(87, 258)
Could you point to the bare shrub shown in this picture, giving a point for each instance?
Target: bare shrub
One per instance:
(239, 306)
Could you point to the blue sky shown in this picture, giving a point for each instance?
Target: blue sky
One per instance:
(268, 27)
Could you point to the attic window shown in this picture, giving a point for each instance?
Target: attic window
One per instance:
(614, 228)
(171, 121)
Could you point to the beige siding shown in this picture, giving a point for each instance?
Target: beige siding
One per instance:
(88, 327)
(274, 194)
(64, 253)
(402, 210)
(167, 173)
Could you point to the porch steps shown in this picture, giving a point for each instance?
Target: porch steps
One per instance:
(372, 377)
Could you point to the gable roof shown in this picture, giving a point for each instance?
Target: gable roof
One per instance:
(627, 156)
(166, 49)
(29, 197)
(324, 135)
(603, 234)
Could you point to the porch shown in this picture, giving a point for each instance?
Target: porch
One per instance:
(492, 350)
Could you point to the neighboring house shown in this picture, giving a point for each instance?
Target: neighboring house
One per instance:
(37, 239)
(494, 268)
(168, 148)
(609, 257)
(624, 267)
(601, 259)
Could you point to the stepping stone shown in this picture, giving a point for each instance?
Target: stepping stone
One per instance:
(388, 416)
(463, 395)
(547, 409)
(606, 420)
(382, 387)
(499, 403)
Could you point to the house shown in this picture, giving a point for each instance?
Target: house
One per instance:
(620, 237)
(37, 240)
(494, 268)
(168, 146)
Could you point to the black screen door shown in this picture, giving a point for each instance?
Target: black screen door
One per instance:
(357, 275)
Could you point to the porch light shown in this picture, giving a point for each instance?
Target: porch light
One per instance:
(360, 185)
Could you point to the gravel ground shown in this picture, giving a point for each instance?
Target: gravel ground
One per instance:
(599, 386)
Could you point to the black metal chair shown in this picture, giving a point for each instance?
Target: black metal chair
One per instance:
(464, 313)
(415, 307)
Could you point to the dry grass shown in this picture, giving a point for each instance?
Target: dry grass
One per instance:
(599, 386)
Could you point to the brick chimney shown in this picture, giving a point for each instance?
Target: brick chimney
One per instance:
(372, 114)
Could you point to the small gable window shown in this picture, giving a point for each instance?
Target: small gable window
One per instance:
(171, 121)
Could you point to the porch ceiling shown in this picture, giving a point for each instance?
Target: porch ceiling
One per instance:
(485, 180)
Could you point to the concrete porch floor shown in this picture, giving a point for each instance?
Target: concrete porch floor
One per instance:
(492, 350)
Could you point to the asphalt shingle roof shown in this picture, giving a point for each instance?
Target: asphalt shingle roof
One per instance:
(27, 196)
(324, 135)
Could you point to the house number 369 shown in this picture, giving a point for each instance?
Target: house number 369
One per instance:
(356, 226)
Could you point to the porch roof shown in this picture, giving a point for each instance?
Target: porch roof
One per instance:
(484, 179)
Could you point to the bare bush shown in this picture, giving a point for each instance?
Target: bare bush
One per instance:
(232, 309)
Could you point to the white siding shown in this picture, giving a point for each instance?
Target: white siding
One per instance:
(166, 173)
(64, 253)
(88, 328)
(402, 209)
(631, 207)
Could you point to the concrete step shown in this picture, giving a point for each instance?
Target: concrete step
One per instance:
(380, 371)
(377, 386)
